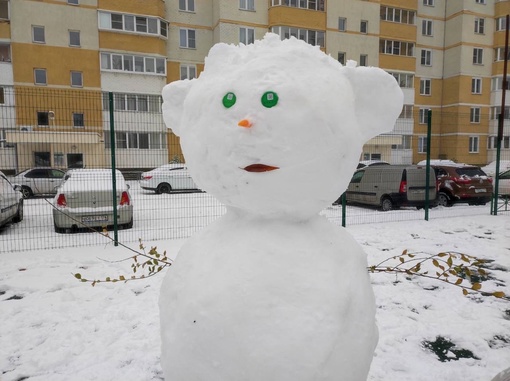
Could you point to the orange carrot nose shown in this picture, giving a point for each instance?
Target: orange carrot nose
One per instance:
(244, 123)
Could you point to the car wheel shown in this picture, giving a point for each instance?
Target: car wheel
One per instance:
(164, 188)
(386, 204)
(26, 192)
(443, 199)
(19, 215)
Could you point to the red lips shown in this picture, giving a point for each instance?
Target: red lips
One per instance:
(259, 168)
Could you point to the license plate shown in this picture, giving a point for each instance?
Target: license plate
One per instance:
(88, 219)
(480, 190)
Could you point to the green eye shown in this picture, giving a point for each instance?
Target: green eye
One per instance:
(229, 100)
(269, 99)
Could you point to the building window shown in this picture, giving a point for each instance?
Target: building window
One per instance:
(74, 38)
(246, 35)
(187, 5)
(476, 85)
(474, 115)
(477, 56)
(315, 5)
(426, 57)
(43, 118)
(363, 60)
(429, 3)
(422, 144)
(402, 16)
(4, 10)
(2, 96)
(187, 38)
(130, 63)
(501, 23)
(41, 159)
(72, 2)
(473, 144)
(188, 71)
(407, 112)
(480, 1)
(479, 25)
(76, 79)
(40, 77)
(424, 116)
(342, 24)
(137, 140)
(5, 52)
(363, 26)
(38, 34)
(247, 5)
(425, 86)
(426, 27)
(398, 48)
(341, 57)
(312, 37)
(133, 102)
(131, 23)
(497, 84)
(499, 54)
(78, 120)
(404, 80)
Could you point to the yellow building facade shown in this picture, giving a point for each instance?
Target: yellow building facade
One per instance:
(72, 69)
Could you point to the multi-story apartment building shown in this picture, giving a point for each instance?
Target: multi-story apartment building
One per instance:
(61, 59)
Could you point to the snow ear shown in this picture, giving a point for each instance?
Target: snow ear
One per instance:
(378, 99)
(174, 95)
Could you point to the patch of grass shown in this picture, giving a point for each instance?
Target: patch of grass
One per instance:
(446, 350)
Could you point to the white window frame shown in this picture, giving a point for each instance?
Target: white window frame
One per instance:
(480, 2)
(479, 25)
(407, 112)
(342, 24)
(73, 2)
(476, 85)
(187, 38)
(474, 144)
(312, 37)
(363, 26)
(477, 56)
(422, 144)
(152, 65)
(428, 3)
(247, 5)
(41, 29)
(188, 71)
(132, 24)
(426, 57)
(76, 79)
(75, 33)
(363, 60)
(246, 35)
(474, 115)
(427, 28)
(404, 80)
(500, 24)
(423, 116)
(75, 114)
(397, 15)
(187, 5)
(40, 71)
(425, 86)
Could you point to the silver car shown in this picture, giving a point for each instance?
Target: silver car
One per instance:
(39, 181)
(85, 200)
(11, 202)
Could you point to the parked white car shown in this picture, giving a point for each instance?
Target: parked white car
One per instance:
(490, 169)
(167, 178)
(11, 202)
(504, 184)
(85, 199)
(39, 181)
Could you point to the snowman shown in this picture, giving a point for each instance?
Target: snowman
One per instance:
(273, 291)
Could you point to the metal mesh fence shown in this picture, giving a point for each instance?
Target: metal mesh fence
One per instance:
(45, 133)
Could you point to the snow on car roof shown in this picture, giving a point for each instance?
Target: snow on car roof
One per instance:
(92, 179)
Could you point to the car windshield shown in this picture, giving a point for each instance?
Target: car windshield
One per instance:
(470, 172)
(505, 175)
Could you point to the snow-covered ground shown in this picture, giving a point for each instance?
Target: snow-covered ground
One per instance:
(52, 327)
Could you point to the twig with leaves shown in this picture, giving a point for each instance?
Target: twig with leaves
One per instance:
(153, 262)
(457, 269)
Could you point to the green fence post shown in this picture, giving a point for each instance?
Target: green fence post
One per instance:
(114, 177)
(427, 167)
(344, 208)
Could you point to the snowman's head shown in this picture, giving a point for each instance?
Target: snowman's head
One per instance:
(277, 127)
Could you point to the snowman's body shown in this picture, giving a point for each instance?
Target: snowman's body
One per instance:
(272, 291)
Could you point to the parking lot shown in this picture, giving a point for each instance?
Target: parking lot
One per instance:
(178, 215)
